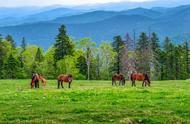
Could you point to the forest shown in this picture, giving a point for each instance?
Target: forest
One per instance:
(84, 59)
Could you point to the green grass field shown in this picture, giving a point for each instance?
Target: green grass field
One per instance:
(95, 102)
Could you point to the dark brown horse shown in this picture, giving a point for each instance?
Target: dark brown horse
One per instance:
(140, 77)
(35, 81)
(64, 78)
(36, 78)
(118, 77)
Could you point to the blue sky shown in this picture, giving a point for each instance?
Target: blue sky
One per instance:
(10, 3)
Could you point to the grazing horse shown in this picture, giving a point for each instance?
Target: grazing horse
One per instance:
(118, 77)
(64, 78)
(140, 77)
(43, 80)
(36, 78)
(35, 81)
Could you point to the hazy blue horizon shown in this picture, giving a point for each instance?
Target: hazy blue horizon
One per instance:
(44, 3)
(21, 3)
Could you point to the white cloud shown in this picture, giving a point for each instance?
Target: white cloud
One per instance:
(57, 2)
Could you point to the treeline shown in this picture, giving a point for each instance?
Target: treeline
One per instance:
(85, 60)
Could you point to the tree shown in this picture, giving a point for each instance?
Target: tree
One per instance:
(82, 66)
(87, 45)
(155, 51)
(1, 38)
(118, 46)
(2, 55)
(11, 67)
(23, 44)
(168, 60)
(187, 59)
(23, 49)
(143, 54)
(10, 39)
(39, 56)
(63, 45)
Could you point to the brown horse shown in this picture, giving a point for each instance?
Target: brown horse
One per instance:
(36, 78)
(64, 78)
(118, 77)
(140, 77)
(43, 80)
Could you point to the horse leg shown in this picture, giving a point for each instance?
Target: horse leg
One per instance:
(149, 83)
(35, 83)
(58, 84)
(69, 84)
(62, 84)
(112, 82)
(31, 85)
(124, 82)
(38, 84)
(143, 83)
(133, 83)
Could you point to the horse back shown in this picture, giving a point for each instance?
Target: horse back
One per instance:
(138, 77)
(65, 78)
(118, 77)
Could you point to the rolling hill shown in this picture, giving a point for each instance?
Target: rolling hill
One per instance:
(104, 25)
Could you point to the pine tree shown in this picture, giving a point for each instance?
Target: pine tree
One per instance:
(129, 43)
(11, 67)
(63, 45)
(82, 66)
(169, 64)
(155, 51)
(39, 56)
(21, 57)
(2, 54)
(187, 59)
(143, 54)
(23, 44)
(1, 38)
(11, 40)
(118, 46)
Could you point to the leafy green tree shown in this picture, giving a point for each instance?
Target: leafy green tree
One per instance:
(87, 45)
(107, 59)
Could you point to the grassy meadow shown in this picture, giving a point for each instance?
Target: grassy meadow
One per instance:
(92, 102)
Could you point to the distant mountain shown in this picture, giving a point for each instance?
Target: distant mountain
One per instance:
(104, 25)
(86, 17)
(31, 15)
(123, 5)
(52, 14)
(7, 12)
(143, 12)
